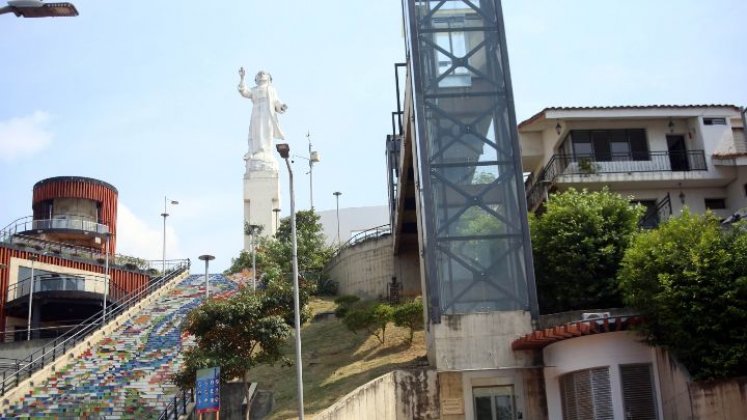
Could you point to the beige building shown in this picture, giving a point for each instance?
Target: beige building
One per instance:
(664, 156)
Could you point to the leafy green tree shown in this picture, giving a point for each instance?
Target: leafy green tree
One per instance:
(274, 254)
(313, 253)
(577, 245)
(236, 334)
(688, 278)
(371, 317)
(409, 315)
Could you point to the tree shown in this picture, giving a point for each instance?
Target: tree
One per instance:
(577, 245)
(275, 253)
(409, 315)
(372, 317)
(688, 278)
(236, 334)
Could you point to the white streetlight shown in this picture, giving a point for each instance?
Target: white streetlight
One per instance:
(253, 229)
(38, 9)
(33, 258)
(337, 195)
(165, 214)
(313, 158)
(284, 151)
(207, 259)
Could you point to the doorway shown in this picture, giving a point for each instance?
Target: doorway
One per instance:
(678, 159)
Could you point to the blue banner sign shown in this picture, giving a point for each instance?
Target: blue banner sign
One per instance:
(208, 390)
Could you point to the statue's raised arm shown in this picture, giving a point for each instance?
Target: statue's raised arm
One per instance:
(264, 126)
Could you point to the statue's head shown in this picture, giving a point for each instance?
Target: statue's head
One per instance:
(262, 77)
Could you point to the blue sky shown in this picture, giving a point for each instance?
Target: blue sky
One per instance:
(142, 94)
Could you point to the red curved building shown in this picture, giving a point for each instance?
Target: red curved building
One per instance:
(67, 250)
(75, 210)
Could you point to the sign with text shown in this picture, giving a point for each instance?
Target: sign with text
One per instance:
(208, 390)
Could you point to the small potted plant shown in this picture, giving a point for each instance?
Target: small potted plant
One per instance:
(587, 166)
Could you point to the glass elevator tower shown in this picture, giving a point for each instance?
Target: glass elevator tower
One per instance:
(475, 241)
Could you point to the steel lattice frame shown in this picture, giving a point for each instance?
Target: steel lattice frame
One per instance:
(476, 242)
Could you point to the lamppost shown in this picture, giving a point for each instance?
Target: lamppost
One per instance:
(337, 195)
(165, 214)
(284, 151)
(33, 258)
(207, 258)
(277, 220)
(313, 158)
(38, 9)
(253, 229)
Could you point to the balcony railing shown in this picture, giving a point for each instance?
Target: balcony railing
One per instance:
(66, 283)
(564, 164)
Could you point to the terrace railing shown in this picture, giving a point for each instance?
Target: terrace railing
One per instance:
(565, 164)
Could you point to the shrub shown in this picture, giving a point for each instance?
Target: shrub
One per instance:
(689, 281)
(578, 244)
(373, 318)
(409, 315)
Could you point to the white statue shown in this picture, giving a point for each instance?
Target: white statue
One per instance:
(264, 126)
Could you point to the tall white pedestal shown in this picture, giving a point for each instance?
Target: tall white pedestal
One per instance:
(261, 196)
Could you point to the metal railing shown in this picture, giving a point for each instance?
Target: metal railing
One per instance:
(65, 283)
(656, 214)
(565, 164)
(42, 332)
(178, 405)
(59, 346)
(28, 223)
(61, 249)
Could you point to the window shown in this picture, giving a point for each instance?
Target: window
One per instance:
(715, 203)
(586, 395)
(494, 403)
(639, 398)
(607, 145)
(714, 121)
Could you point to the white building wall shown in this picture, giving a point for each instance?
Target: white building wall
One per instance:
(592, 351)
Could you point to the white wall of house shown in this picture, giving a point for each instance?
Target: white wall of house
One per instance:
(593, 351)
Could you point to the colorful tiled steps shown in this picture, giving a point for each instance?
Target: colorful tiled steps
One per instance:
(127, 374)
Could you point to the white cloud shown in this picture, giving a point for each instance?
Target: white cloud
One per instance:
(136, 238)
(24, 136)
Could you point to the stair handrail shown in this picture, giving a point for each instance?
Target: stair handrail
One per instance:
(90, 325)
(177, 405)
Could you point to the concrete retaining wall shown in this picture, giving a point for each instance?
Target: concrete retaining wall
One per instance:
(364, 269)
(713, 400)
(396, 395)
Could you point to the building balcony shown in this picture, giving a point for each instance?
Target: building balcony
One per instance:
(566, 168)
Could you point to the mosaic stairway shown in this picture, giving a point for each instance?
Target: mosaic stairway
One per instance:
(126, 375)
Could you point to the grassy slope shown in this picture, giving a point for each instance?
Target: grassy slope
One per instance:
(335, 362)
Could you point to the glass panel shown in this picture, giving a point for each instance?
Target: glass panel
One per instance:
(638, 144)
(472, 187)
(619, 146)
(601, 141)
(494, 403)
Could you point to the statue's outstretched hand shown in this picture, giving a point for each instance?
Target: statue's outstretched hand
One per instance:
(282, 108)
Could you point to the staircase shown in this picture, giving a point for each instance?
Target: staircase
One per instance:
(125, 375)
